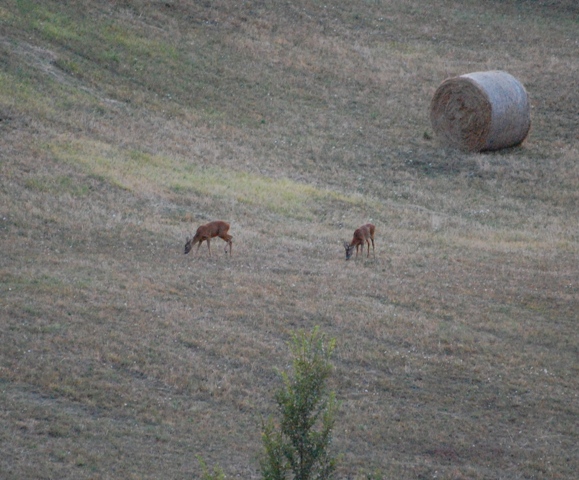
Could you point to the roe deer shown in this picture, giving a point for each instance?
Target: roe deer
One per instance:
(362, 235)
(206, 233)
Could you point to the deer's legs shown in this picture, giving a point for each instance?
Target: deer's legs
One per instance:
(227, 239)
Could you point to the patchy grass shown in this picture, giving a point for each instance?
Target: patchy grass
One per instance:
(125, 125)
(142, 173)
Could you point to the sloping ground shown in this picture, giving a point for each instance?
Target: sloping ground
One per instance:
(124, 125)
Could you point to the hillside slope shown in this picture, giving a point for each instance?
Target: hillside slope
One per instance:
(124, 125)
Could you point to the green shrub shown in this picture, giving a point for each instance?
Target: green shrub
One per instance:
(207, 475)
(297, 446)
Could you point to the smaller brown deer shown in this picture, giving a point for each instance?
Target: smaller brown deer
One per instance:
(364, 234)
(206, 233)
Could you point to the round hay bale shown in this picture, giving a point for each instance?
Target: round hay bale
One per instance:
(481, 111)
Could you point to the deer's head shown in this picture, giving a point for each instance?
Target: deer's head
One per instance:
(188, 245)
(349, 250)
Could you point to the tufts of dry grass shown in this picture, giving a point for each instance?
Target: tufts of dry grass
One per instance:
(125, 125)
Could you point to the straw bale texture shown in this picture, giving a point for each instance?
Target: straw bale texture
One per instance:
(481, 111)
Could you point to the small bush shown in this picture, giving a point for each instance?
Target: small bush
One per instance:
(207, 475)
(298, 445)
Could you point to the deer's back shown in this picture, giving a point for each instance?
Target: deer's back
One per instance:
(221, 227)
(371, 229)
(212, 229)
(365, 231)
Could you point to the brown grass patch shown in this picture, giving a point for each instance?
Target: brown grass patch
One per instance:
(124, 126)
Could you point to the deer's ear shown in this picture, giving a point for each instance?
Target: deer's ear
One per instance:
(346, 245)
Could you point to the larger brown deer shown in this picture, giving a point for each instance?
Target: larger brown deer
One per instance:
(362, 235)
(206, 233)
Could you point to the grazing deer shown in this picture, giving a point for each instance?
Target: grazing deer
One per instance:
(362, 235)
(207, 232)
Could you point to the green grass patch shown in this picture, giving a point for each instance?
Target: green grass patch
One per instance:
(142, 172)
(57, 185)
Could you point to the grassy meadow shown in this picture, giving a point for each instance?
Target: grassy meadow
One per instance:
(125, 125)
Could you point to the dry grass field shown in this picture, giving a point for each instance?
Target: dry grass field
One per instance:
(126, 124)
